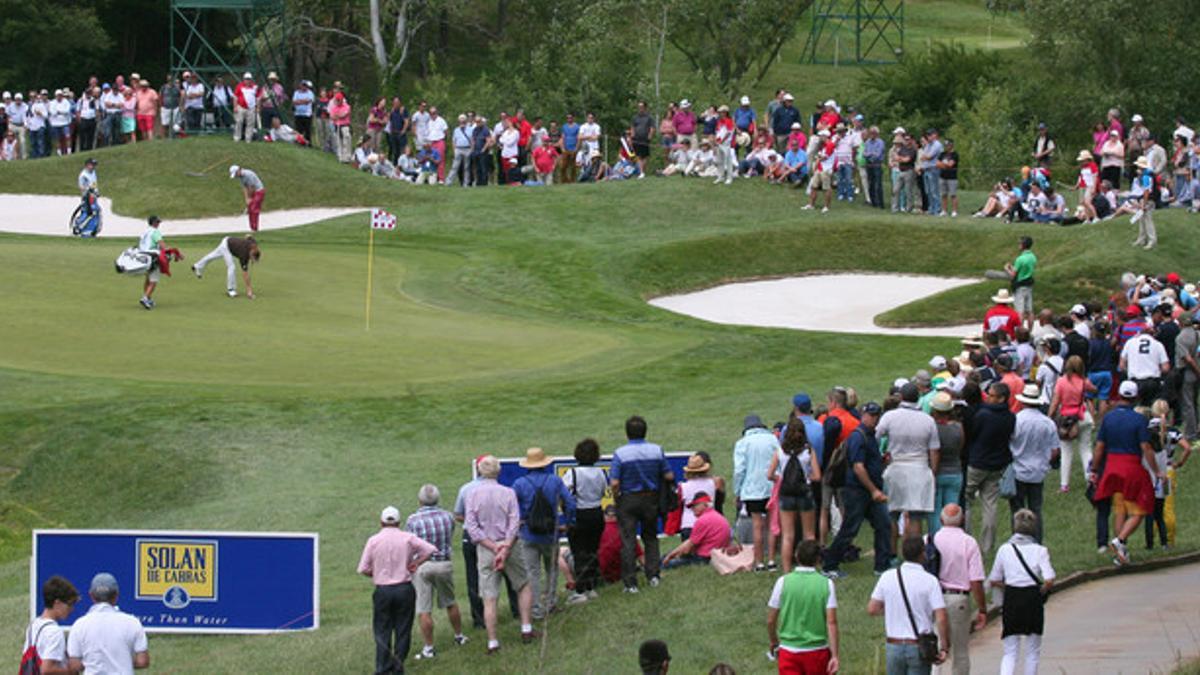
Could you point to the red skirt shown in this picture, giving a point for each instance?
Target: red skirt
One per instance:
(1126, 475)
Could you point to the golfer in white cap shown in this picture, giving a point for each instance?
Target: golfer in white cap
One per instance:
(254, 191)
(107, 640)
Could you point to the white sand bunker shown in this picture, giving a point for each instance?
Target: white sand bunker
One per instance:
(48, 214)
(839, 303)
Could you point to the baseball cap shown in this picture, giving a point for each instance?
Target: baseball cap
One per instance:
(103, 86)
(938, 363)
(745, 100)
(796, 125)
(1128, 389)
(898, 131)
(1136, 118)
(899, 382)
(752, 421)
(858, 117)
(233, 169)
(789, 97)
(700, 498)
(103, 583)
(802, 401)
(390, 515)
(7, 95)
(1173, 278)
(1133, 311)
(1005, 361)
(19, 96)
(830, 102)
(685, 103)
(1079, 310)
(872, 408)
(922, 377)
(247, 76)
(153, 220)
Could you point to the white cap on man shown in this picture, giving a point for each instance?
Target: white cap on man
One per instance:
(247, 76)
(1128, 389)
(390, 516)
(7, 96)
(1136, 118)
(938, 363)
(233, 169)
(745, 100)
(789, 97)
(685, 103)
(1079, 310)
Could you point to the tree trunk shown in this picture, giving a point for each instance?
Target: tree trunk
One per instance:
(380, 50)
(662, 45)
(501, 16)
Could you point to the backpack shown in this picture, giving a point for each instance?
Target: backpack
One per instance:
(793, 483)
(541, 518)
(31, 661)
(835, 470)
(933, 557)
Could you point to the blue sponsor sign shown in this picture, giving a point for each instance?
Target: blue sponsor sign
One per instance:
(189, 582)
(510, 471)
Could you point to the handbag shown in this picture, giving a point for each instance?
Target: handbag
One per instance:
(927, 643)
(1008, 482)
(1067, 425)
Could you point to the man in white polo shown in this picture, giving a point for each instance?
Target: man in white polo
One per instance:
(107, 640)
(928, 610)
(1144, 360)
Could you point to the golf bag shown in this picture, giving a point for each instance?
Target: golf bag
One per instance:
(135, 261)
(86, 220)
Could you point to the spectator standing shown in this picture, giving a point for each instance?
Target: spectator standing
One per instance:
(245, 100)
(1145, 361)
(1112, 159)
(1069, 410)
(587, 484)
(684, 122)
(752, 455)
(782, 119)
(1122, 444)
(1001, 316)
(904, 186)
(377, 119)
(44, 634)
(170, 96)
(18, 112)
(492, 521)
(569, 145)
(129, 114)
(59, 118)
(873, 155)
(1187, 372)
(1022, 569)
(435, 576)
(460, 166)
(1034, 440)
(987, 456)
(637, 474)
(947, 166)
(931, 175)
(435, 137)
(802, 618)
(912, 442)
(961, 576)
(339, 117)
(794, 497)
(910, 600)
(642, 128)
(863, 497)
(222, 103)
(1044, 147)
(481, 160)
(270, 99)
(303, 100)
(543, 500)
(470, 555)
(951, 442)
(36, 121)
(390, 557)
(724, 138)
(107, 640)
(147, 110)
(398, 126)
(193, 101)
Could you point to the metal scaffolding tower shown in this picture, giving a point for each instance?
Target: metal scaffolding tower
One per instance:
(855, 32)
(259, 45)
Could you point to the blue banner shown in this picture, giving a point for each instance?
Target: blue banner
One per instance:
(510, 471)
(189, 582)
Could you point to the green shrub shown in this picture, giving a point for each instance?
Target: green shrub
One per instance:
(991, 140)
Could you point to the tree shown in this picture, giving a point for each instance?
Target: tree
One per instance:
(52, 43)
(389, 32)
(728, 40)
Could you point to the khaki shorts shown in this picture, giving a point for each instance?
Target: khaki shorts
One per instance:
(434, 576)
(1023, 300)
(821, 180)
(153, 275)
(489, 577)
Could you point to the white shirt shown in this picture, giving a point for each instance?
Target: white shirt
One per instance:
(590, 129)
(1144, 356)
(38, 112)
(592, 484)
(777, 599)
(87, 108)
(924, 594)
(51, 645)
(87, 179)
(1083, 329)
(508, 142)
(420, 123)
(60, 112)
(194, 89)
(1048, 374)
(435, 129)
(106, 639)
(111, 102)
(1007, 569)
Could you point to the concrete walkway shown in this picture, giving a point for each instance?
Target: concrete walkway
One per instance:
(1129, 624)
(48, 214)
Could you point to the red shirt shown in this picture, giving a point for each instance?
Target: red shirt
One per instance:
(610, 552)
(543, 158)
(524, 131)
(1001, 317)
(710, 531)
(829, 120)
(1015, 386)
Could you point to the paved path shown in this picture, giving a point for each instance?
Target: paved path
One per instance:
(48, 214)
(1130, 624)
(841, 303)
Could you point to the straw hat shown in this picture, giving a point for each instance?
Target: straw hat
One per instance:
(1142, 162)
(1032, 394)
(1003, 297)
(942, 402)
(696, 464)
(1084, 156)
(535, 458)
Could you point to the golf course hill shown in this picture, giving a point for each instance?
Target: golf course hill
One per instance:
(502, 318)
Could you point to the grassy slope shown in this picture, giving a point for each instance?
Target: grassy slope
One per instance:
(231, 438)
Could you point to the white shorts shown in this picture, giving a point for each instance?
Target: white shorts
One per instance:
(1023, 300)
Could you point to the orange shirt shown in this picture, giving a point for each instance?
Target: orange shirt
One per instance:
(147, 101)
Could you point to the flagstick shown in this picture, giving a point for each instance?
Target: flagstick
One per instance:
(370, 273)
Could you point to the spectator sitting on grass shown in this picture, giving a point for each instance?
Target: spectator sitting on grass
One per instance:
(428, 163)
(710, 532)
(678, 158)
(282, 133)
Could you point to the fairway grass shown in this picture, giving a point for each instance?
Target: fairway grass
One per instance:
(503, 318)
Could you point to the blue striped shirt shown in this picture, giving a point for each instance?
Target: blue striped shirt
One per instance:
(639, 466)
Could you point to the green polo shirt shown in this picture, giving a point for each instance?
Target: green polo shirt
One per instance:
(1024, 266)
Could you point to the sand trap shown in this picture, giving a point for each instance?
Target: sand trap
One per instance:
(48, 214)
(839, 303)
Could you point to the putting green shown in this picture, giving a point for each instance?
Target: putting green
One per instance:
(305, 329)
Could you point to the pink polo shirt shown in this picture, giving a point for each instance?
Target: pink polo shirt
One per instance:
(388, 553)
(962, 562)
(710, 531)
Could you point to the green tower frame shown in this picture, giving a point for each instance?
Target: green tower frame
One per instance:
(259, 48)
(855, 32)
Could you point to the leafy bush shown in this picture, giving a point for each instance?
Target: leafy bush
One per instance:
(990, 139)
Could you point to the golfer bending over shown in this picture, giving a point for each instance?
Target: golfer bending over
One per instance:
(244, 250)
(252, 186)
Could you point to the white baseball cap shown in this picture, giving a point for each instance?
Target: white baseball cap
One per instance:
(899, 382)
(1079, 310)
(233, 169)
(1128, 389)
(1137, 118)
(898, 130)
(390, 515)
(938, 363)
(247, 76)
(745, 100)
(824, 133)
(789, 97)
(685, 103)
(831, 102)
(6, 95)
(796, 125)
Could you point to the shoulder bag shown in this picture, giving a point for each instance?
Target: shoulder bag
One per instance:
(1029, 570)
(927, 643)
